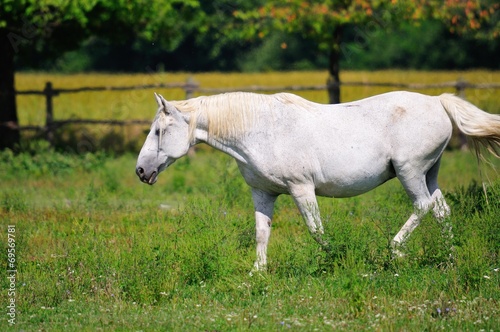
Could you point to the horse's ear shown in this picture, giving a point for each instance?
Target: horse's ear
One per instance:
(158, 100)
(168, 108)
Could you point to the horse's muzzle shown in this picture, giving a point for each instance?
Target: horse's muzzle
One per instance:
(143, 176)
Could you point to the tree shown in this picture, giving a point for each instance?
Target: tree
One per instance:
(216, 35)
(480, 19)
(54, 26)
(324, 21)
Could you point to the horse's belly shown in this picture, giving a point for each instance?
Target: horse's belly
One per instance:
(352, 181)
(342, 188)
(331, 177)
(335, 186)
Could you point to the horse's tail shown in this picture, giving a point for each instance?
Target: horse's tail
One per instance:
(482, 129)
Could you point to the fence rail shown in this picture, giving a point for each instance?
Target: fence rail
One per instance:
(460, 86)
(190, 87)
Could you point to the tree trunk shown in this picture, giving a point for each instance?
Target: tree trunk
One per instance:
(9, 132)
(333, 82)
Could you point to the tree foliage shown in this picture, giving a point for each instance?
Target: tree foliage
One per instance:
(53, 26)
(64, 24)
(324, 21)
(479, 19)
(314, 19)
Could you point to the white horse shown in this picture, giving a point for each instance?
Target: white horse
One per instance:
(284, 144)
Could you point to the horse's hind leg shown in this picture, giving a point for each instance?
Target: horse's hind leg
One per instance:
(441, 210)
(425, 194)
(416, 188)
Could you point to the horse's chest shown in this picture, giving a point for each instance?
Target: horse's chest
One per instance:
(267, 179)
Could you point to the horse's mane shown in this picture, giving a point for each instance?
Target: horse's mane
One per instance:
(230, 115)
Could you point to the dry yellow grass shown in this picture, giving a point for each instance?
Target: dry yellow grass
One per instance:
(139, 104)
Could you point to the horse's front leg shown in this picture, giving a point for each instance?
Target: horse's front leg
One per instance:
(264, 207)
(305, 199)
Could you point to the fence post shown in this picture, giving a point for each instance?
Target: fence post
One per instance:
(190, 87)
(460, 87)
(49, 117)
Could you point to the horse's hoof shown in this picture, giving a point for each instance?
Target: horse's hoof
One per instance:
(396, 253)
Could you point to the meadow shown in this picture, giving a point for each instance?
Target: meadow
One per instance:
(95, 249)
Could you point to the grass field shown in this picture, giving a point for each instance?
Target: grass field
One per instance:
(97, 250)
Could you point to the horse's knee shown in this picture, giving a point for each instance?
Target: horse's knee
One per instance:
(262, 227)
(262, 234)
(422, 207)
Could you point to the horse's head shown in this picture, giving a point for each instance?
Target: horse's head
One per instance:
(167, 141)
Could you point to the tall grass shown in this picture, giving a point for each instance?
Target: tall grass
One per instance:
(96, 249)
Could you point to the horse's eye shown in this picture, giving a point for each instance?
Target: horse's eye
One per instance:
(157, 132)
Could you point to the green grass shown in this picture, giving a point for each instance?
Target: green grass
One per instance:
(98, 250)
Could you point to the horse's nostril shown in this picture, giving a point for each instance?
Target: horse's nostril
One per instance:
(139, 171)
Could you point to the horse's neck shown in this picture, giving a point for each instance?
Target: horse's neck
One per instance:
(230, 147)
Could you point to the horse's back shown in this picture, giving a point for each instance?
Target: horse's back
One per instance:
(400, 119)
(415, 124)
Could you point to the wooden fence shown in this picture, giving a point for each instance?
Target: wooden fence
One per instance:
(190, 87)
